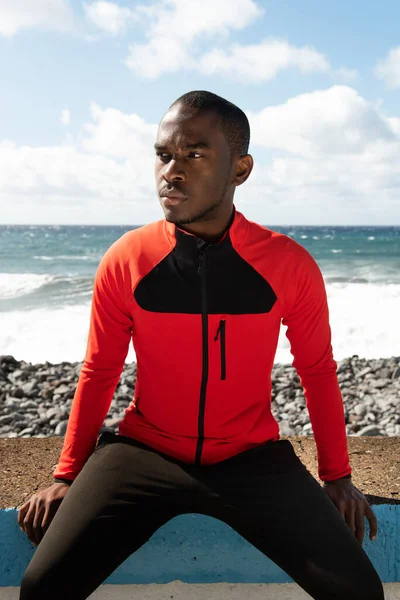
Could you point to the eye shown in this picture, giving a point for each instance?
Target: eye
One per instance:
(194, 155)
(163, 155)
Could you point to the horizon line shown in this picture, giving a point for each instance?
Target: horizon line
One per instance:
(144, 224)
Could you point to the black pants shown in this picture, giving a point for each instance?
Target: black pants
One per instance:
(126, 491)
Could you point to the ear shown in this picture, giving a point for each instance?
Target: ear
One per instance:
(244, 167)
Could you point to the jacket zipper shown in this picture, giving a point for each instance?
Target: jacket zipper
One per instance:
(221, 335)
(204, 377)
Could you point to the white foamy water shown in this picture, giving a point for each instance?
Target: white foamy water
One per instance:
(364, 321)
(69, 257)
(13, 285)
(54, 335)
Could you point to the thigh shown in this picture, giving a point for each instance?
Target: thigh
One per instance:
(121, 497)
(291, 519)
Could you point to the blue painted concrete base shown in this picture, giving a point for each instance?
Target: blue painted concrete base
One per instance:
(198, 549)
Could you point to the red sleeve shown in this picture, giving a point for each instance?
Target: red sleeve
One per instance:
(110, 332)
(309, 334)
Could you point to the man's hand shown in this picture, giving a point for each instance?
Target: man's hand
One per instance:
(353, 506)
(35, 516)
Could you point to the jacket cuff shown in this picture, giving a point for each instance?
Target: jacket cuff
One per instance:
(338, 479)
(61, 480)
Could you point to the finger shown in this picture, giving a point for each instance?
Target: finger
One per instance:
(341, 506)
(360, 524)
(21, 514)
(37, 523)
(373, 523)
(350, 518)
(28, 523)
(48, 516)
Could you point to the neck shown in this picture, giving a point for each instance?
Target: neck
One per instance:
(211, 231)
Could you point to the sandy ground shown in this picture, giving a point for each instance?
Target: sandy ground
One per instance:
(26, 466)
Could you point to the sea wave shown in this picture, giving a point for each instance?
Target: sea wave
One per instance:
(364, 321)
(54, 258)
(27, 289)
(14, 285)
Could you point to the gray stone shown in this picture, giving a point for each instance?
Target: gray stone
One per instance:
(281, 399)
(367, 400)
(364, 372)
(28, 387)
(112, 422)
(62, 389)
(396, 373)
(285, 428)
(27, 431)
(12, 402)
(53, 412)
(6, 419)
(61, 428)
(17, 374)
(379, 383)
(370, 430)
(28, 404)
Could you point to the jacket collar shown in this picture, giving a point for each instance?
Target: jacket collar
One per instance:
(189, 242)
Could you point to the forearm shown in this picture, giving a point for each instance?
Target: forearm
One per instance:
(90, 406)
(325, 406)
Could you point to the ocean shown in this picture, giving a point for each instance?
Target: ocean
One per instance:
(47, 272)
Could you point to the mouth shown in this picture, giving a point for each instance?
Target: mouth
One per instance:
(172, 198)
(170, 201)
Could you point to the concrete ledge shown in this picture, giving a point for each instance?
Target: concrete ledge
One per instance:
(198, 549)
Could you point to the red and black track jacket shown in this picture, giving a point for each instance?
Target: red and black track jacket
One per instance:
(204, 319)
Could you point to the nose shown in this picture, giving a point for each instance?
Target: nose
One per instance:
(173, 172)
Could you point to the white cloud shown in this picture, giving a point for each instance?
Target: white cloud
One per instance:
(332, 157)
(389, 69)
(160, 55)
(177, 30)
(102, 176)
(115, 134)
(188, 19)
(328, 122)
(176, 26)
(109, 17)
(261, 62)
(65, 117)
(26, 14)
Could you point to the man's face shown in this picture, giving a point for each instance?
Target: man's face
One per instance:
(194, 173)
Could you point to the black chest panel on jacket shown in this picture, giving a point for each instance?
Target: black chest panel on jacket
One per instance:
(233, 285)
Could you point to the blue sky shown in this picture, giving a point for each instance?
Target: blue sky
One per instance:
(84, 85)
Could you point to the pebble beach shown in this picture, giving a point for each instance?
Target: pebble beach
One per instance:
(35, 399)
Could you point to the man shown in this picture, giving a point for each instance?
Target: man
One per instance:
(202, 294)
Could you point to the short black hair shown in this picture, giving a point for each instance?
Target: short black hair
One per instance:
(234, 123)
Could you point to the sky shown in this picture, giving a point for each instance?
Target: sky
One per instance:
(85, 84)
